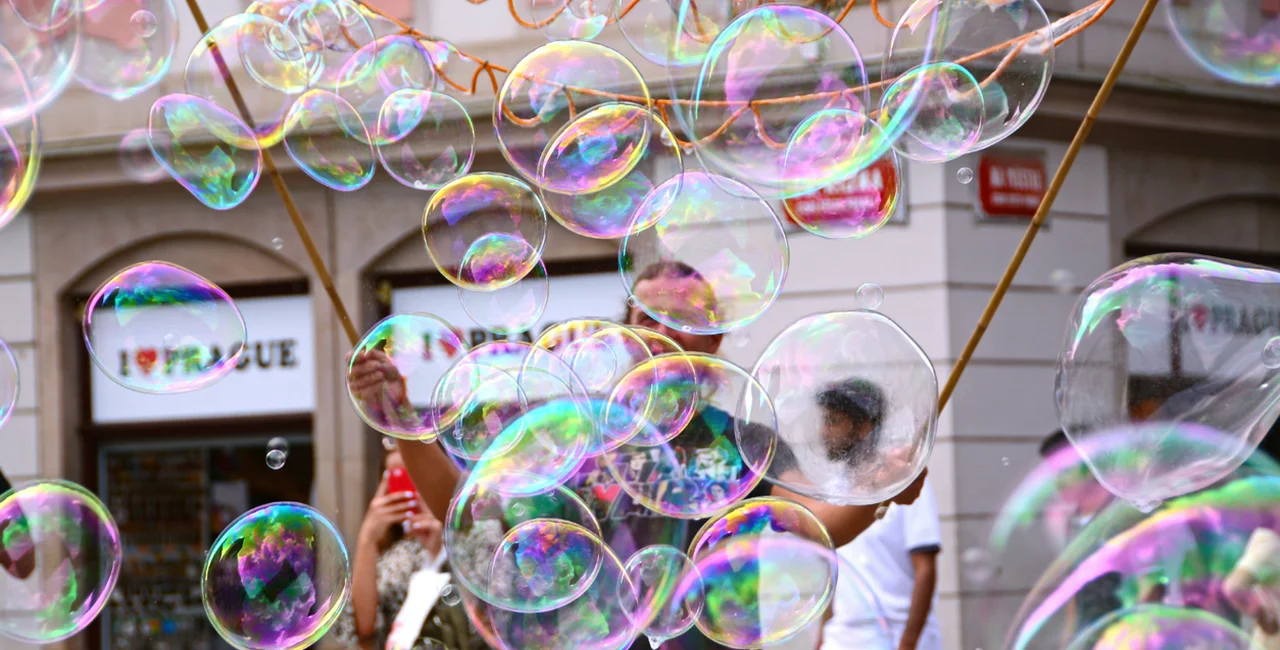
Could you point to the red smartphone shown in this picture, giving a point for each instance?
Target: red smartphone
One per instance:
(398, 481)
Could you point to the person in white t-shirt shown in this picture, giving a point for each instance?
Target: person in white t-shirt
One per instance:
(896, 559)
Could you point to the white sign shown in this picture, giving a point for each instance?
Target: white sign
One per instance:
(598, 295)
(276, 373)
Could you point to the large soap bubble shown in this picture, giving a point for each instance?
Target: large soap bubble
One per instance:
(19, 138)
(159, 328)
(1156, 626)
(857, 404)
(208, 150)
(1166, 344)
(127, 46)
(276, 579)
(47, 61)
(63, 557)
(1236, 40)
(715, 260)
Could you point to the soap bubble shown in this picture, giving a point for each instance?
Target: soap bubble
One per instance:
(126, 46)
(136, 159)
(949, 113)
(276, 578)
(656, 574)
(1156, 626)
(1271, 353)
(156, 327)
(1005, 51)
(379, 69)
(277, 243)
(857, 408)
(258, 53)
(425, 139)
(717, 417)
(855, 206)
(977, 565)
(544, 564)
(767, 569)
(964, 175)
(1164, 347)
(792, 64)
(541, 448)
(276, 458)
(719, 256)
(1234, 40)
(449, 596)
(560, 20)
(329, 141)
(66, 543)
(45, 15)
(609, 212)
(209, 151)
(544, 93)
(1063, 280)
(655, 31)
(330, 32)
(484, 231)
(10, 383)
(870, 296)
(46, 61)
(392, 374)
(19, 141)
(512, 309)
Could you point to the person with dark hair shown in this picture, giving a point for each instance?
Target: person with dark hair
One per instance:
(852, 412)
(705, 450)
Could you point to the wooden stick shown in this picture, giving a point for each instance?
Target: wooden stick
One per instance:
(317, 262)
(1059, 177)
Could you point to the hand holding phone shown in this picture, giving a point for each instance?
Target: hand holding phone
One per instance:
(398, 481)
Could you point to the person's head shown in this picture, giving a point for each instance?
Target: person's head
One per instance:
(674, 288)
(1054, 443)
(853, 411)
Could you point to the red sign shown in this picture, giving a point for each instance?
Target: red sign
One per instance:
(869, 195)
(1011, 185)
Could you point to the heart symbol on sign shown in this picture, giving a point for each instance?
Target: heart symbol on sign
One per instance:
(606, 494)
(146, 359)
(1200, 314)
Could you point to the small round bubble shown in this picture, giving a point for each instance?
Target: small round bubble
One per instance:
(276, 458)
(964, 175)
(276, 578)
(174, 330)
(449, 596)
(870, 296)
(1271, 353)
(136, 158)
(143, 23)
(69, 536)
(1063, 280)
(977, 565)
(277, 243)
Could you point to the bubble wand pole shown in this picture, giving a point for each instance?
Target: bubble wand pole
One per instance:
(317, 262)
(1046, 204)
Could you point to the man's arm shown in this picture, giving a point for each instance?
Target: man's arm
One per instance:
(432, 473)
(924, 562)
(845, 523)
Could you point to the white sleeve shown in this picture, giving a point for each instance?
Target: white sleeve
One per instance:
(923, 532)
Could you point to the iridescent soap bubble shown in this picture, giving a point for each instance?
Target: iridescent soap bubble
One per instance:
(719, 255)
(870, 296)
(477, 404)
(330, 33)
(277, 452)
(544, 564)
(560, 20)
(541, 448)
(1234, 40)
(1271, 353)
(482, 516)
(947, 107)
(10, 383)
(759, 86)
(20, 154)
(377, 70)
(1168, 344)
(964, 175)
(727, 418)
(767, 569)
(209, 151)
(136, 158)
(329, 141)
(1156, 626)
(47, 60)
(63, 555)
(609, 212)
(1006, 47)
(425, 139)
(595, 150)
(484, 231)
(856, 400)
(127, 46)
(156, 327)
(656, 574)
(250, 51)
(655, 31)
(44, 15)
(276, 578)
(512, 309)
(551, 87)
(393, 371)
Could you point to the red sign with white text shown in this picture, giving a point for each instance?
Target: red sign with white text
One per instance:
(872, 191)
(1011, 186)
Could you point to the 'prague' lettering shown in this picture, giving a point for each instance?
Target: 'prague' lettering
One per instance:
(193, 359)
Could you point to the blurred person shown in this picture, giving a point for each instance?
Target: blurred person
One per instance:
(398, 575)
(17, 555)
(627, 526)
(896, 556)
(1253, 588)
